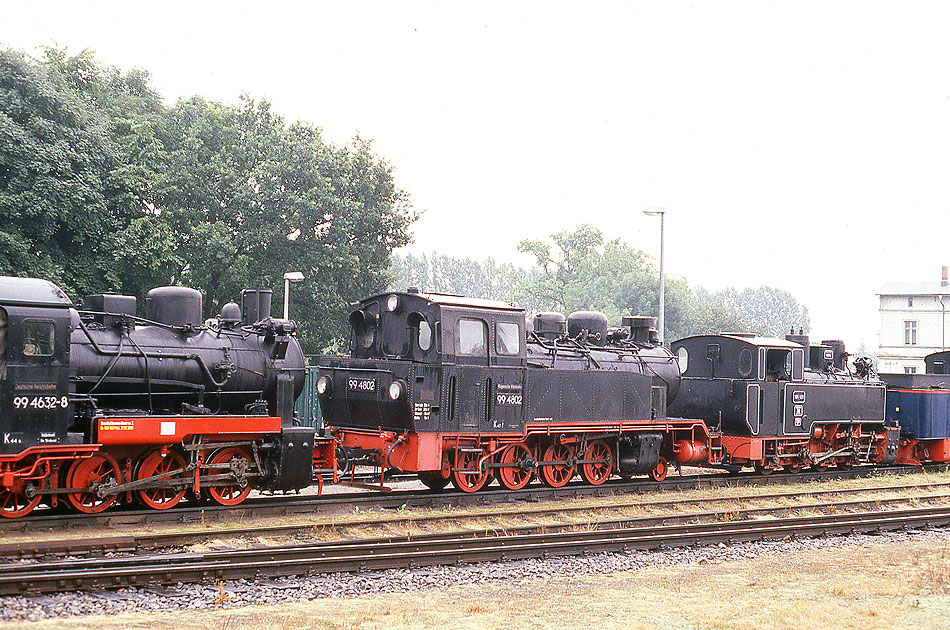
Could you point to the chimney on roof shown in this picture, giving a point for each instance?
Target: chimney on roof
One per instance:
(943, 276)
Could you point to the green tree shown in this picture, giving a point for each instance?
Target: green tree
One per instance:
(250, 197)
(103, 188)
(577, 270)
(62, 193)
(766, 310)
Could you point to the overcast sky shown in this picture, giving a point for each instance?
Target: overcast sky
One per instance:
(802, 145)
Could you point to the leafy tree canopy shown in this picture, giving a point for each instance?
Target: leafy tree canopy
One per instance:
(104, 188)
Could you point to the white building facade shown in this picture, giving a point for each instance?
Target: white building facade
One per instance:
(913, 324)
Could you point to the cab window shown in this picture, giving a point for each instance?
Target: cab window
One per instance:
(745, 363)
(420, 330)
(472, 337)
(363, 322)
(38, 339)
(778, 364)
(425, 335)
(507, 338)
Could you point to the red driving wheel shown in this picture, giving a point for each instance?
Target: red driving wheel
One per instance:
(162, 466)
(466, 475)
(14, 501)
(560, 472)
(597, 473)
(515, 472)
(229, 460)
(91, 473)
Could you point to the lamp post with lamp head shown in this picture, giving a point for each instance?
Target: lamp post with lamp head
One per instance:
(652, 212)
(290, 276)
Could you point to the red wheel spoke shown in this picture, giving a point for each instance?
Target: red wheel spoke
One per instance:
(597, 473)
(467, 475)
(14, 503)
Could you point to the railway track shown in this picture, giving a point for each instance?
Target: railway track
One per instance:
(295, 505)
(740, 506)
(436, 549)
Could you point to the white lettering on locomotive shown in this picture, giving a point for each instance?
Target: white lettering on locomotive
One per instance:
(362, 384)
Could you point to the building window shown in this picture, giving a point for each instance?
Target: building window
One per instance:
(910, 370)
(910, 333)
(910, 301)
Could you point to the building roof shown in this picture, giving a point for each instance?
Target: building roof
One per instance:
(914, 288)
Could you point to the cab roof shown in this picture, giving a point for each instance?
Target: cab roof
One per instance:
(31, 292)
(444, 299)
(752, 340)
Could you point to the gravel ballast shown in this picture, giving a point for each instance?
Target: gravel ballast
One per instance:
(240, 593)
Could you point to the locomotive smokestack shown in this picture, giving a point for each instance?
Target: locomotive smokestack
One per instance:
(943, 276)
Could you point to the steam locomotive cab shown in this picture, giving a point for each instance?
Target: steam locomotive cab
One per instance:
(34, 364)
(428, 364)
(783, 403)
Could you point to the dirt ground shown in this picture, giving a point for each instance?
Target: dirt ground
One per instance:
(896, 584)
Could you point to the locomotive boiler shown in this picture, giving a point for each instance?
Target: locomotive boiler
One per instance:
(455, 389)
(99, 404)
(171, 360)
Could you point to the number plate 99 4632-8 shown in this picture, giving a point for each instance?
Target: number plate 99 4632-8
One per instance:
(361, 384)
(40, 402)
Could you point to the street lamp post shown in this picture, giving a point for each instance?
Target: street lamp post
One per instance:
(290, 276)
(660, 320)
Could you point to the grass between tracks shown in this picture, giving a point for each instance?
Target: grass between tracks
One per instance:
(885, 585)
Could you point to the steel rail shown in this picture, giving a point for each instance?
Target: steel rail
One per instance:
(138, 542)
(307, 504)
(409, 552)
(131, 544)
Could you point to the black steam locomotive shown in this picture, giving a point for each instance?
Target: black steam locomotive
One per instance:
(454, 389)
(99, 405)
(784, 403)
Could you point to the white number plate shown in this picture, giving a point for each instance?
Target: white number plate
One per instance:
(40, 402)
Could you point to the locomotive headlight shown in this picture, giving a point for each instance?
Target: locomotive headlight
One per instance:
(324, 385)
(397, 389)
(392, 303)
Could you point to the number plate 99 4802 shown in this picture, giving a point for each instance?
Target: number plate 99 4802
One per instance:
(361, 384)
